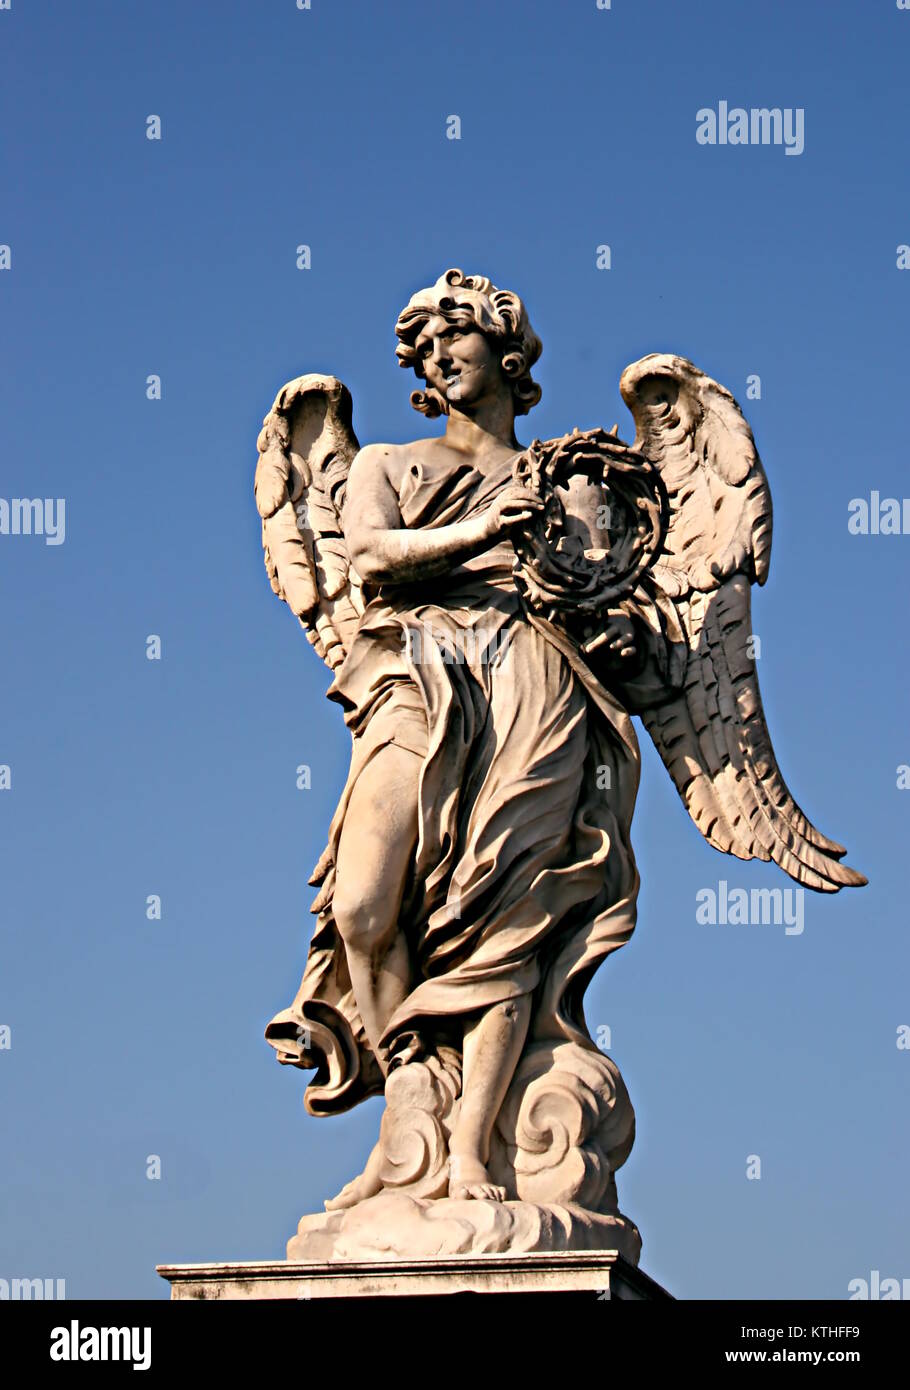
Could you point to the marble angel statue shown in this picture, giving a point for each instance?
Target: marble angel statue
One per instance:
(493, 615)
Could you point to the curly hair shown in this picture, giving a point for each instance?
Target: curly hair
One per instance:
(478, 305)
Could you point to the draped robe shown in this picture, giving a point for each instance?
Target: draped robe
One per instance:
(523, 879)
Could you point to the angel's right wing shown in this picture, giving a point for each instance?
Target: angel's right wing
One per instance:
(306, 447)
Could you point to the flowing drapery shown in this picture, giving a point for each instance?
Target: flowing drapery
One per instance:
(524, 878)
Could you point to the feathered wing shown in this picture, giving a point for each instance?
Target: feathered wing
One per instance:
(306, 448)
(712, 734)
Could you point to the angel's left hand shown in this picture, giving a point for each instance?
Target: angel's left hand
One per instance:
(616, 638)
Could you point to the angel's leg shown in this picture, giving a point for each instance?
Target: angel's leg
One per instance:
(375, 851)
(377, 843)
(492, 1047)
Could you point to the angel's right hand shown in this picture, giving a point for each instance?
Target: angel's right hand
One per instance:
(513, 508)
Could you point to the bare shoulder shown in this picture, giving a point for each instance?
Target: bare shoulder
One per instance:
(378, 461)
(389, 461)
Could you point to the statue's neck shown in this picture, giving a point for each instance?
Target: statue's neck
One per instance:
(492, 424)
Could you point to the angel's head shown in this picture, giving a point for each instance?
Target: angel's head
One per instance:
(465, 338)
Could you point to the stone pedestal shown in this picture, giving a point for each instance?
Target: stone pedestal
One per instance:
(602, 1272)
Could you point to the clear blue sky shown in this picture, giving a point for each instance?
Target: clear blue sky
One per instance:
(131, 777)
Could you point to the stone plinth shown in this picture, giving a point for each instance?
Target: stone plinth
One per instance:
(564, 1271)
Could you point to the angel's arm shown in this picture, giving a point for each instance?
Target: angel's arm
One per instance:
(385, 552)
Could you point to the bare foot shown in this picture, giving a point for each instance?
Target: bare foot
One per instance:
(469, 1178)
(359, 1189)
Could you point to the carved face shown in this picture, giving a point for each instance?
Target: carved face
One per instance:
(460, 363)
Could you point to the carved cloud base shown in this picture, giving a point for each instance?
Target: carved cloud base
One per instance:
(565, 1126)
(396, 1225)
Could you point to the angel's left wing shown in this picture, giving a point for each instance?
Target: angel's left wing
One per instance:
(711, 734)
(306, 447)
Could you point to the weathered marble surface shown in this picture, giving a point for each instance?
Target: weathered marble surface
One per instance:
(395, 1225)
(604, 1275)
